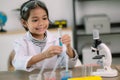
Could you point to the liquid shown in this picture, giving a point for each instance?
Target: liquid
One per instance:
(65, 78)
(50, 79)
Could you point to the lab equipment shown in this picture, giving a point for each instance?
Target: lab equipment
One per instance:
(83, 70)
(104, 57)
(33, 77)
(59, 36)
(48, 77)
(86, 70)
(65, 75)
(61, 55)
(64, 47)
(39, 77)
(57, 62)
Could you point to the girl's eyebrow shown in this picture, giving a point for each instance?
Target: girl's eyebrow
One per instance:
(34, 17)
(42, 16)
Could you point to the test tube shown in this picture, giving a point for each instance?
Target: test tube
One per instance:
(89, 70)
(66, 75)
(86, 70)
(83, 70)
(47, 76)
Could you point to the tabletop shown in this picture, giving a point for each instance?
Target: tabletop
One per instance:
(23, 75)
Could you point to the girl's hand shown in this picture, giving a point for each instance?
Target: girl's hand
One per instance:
(66, 40)
(52, 51)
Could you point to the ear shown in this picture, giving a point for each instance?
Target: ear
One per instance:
(24, 23)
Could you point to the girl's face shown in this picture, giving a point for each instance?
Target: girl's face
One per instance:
(37, 22)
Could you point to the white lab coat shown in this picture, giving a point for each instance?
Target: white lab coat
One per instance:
(25, 49)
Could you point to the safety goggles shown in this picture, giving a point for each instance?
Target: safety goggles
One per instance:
(31, 5)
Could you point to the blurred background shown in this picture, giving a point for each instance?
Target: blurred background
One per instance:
(72, 11)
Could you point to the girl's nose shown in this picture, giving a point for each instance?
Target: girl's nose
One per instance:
(41, 23)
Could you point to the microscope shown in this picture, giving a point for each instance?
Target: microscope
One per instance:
(103, 56)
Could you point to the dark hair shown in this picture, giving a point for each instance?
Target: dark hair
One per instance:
(28, 6)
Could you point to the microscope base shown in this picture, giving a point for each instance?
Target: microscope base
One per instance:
(106, 73)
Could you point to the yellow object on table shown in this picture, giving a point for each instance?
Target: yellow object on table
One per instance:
(87, 78)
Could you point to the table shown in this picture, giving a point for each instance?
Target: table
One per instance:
(23, 75)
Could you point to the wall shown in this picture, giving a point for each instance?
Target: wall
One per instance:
(6, 46)
(111, 8)
(58, 9)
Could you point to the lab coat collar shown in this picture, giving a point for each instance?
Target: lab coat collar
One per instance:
(50, 39)
(29, 36)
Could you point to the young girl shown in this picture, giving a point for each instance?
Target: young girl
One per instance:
(39, 44)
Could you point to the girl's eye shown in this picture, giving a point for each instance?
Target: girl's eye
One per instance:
(34, 20)
(45, 18)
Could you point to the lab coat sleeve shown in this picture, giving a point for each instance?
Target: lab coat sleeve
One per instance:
(21, 56)
(73, 61)
(21, 64)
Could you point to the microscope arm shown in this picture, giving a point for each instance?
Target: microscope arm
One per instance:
(107, 59)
